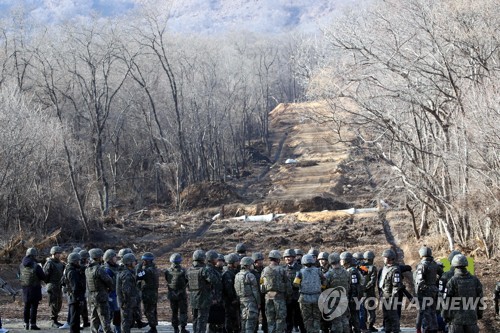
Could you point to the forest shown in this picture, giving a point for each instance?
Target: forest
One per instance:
(107, 112)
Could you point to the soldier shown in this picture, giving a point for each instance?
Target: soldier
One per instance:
(177, 281)
(324, 266)
(200, 281)
(137, 313)
(358, 258)
(314, 252)
(298, 257)
(247, 289)
(149, 290)
(241, 249)
(355, 291)
(31, 275)
(74, 281)
(258, 267)
(126, 291)
(426, 287)
(277, 289)
(53, 270)
(390, 285)
(229, 297)
(84, 263)
(99, 284)
(370, 272)
(359, 263)
(216, 314)
(338, 277)
(446, 276)
(464, 299)
(111, 267)
(309, 279)
(293, 313)
(221, 263)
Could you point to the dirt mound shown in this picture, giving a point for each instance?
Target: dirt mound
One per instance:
(208, 194)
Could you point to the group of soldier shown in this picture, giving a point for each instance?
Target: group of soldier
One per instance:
(229, 293)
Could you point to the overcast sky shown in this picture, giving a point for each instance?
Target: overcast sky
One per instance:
(190, 15)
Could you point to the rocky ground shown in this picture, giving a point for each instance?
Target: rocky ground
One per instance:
(325, 176)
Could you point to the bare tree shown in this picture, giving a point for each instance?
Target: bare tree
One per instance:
(406, 73)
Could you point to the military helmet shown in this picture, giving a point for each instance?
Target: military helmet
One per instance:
(334, 258)
(459, 261)
(323, 255)
(308, 259)
(246, 261)
(31, 252)
(77, 249)
(313, 251)
(212, 255)
(128, 259)
(176, 258)
(221, 257)
(199, 255)
(369, 255)
(84, 254)
(148, 256)
(108, 255)
(233, 258)
(95, 253)
(274, 254)
(453, 254)
(346, 256)
(289, 253)
(389, 254)
(425, 251)
(241, 248)
(257, 256)
(358, 256)
(56, 249)
(124, 251)
(74, 258)
(299, 252)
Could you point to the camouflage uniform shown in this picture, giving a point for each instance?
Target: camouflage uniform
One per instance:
(247, 289)
(231, 302)
(99, 284)
(149, 291)
(463, 286)
(309, 279)
(200, 280)
(338, 277)
(176, 277)
(53, 270)
(127, 296)
(390, 286)
(426, 289)
(277, 289)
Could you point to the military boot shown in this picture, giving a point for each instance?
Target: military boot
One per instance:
(184, 330)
